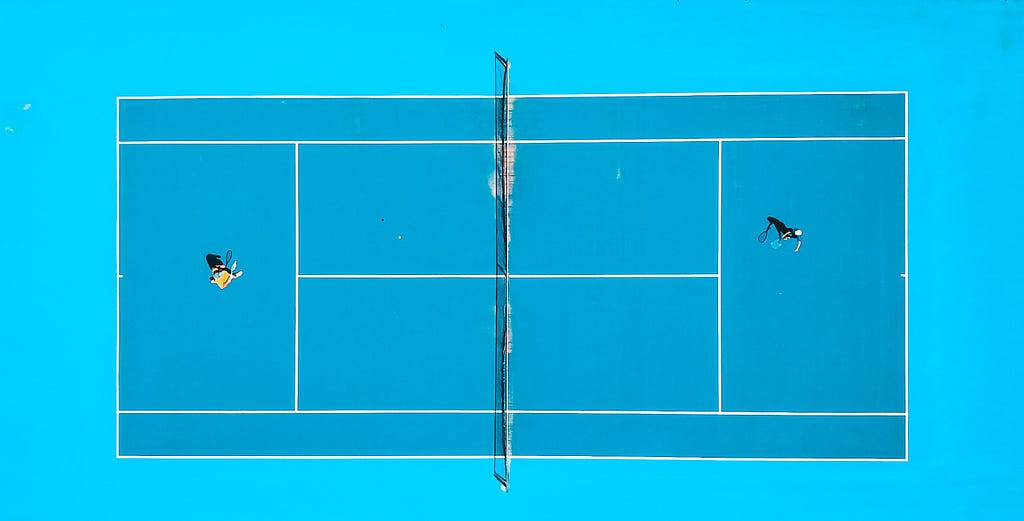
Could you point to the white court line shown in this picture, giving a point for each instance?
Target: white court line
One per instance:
(398, 276)
(702, 94)
(696, 458)
(517, 96)
(521, 457)
(906, 271)
(525, 411)
(314, 96)
(307, 457)
(617, 276)
(117, 261)
(310, 142)
(719, 276)
(296, 361)
(701, 139)
(490, 142)
(518, 276)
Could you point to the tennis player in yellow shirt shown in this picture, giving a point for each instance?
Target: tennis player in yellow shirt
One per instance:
(222, 275)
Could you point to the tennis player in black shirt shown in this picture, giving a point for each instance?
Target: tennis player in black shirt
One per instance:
(785, 233)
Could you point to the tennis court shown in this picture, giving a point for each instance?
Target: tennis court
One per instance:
(663, 362)
(644, 319)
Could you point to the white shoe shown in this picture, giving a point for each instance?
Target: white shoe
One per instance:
(238, 274)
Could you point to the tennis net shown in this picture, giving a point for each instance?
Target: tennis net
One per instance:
(502, 435)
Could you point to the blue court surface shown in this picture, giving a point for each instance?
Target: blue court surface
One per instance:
(564, 288)
(648, 321)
